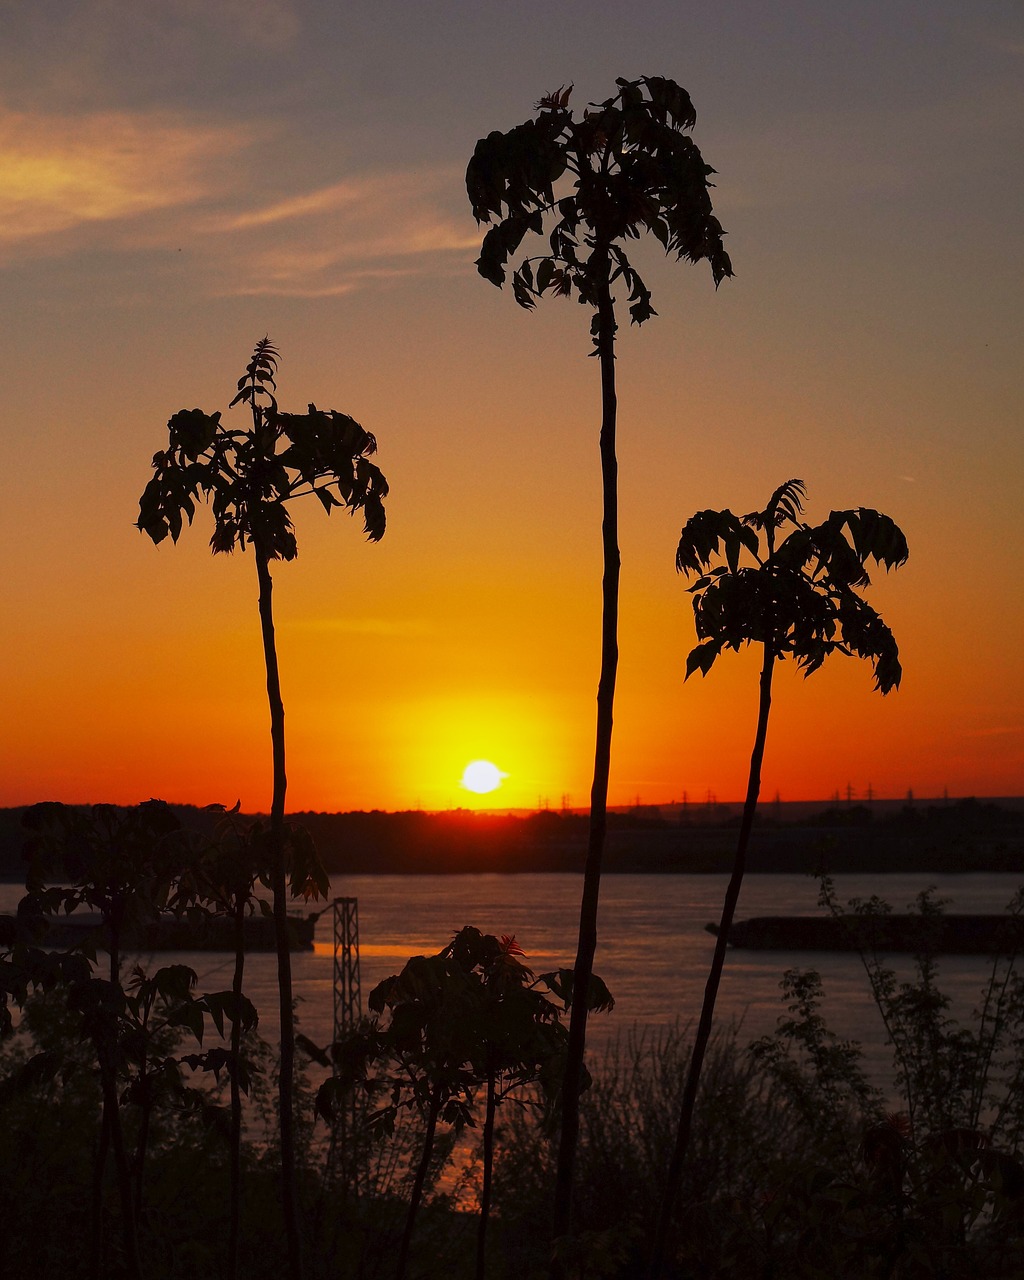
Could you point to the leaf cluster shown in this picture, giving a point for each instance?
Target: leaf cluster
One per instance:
(131, 866)
(798, 596)
(25, 968)
(249, 475)
(450, 1022)
(630, 167)
(123, 863)
(225, 871)
(133, 1028)
(151, 1008)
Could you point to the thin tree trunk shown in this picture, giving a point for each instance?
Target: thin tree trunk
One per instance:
(289, 1192)
(234, 1230)
(124, 1177)
(707, 1012)
(418, 1183)
(587, 946)
(98, 1172)
(142, 1145)
(140, 1156)
(103, 1146)
(485, 1190)
(105, 1043)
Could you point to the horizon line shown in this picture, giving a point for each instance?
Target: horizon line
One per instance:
(708, 805)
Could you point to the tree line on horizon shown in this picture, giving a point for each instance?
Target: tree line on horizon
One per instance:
(968, 834)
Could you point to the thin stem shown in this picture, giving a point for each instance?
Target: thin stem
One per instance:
(234, 1231)
(130, 1237)
(289, 1192)
(707, 1012)
(142, 1144)
(587, 946)
(419, 1182)
(485, 1191)
(98, 1173)
(111, 1132)
(104, 1040)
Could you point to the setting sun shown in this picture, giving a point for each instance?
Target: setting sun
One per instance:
(482, 776)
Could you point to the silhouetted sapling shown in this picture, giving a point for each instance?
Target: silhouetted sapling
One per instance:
(797, 598)
(471, 1017)
(250, 475)
(626, 166)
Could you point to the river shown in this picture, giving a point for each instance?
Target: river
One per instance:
(653, 951)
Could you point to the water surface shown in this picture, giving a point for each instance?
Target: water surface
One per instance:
(653, 951)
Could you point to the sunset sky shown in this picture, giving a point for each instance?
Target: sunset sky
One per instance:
(179, 178)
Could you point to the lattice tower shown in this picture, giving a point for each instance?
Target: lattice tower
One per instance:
(348, 1006)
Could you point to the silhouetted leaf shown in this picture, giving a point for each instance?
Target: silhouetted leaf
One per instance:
(174, 981)
(308, 878)
(702, 657)
(41, 1069)
(190, 1016)
(562, 981)
(330, 1096)
(312, 1051)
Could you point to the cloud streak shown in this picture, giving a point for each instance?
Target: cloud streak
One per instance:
(345, 236)
(59, 172)
(149, 182)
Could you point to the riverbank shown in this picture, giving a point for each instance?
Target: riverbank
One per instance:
(939, 838)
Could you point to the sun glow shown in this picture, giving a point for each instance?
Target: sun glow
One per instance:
(482, 776)
(433, 738)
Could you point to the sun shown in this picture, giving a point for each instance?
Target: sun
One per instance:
(482, 776)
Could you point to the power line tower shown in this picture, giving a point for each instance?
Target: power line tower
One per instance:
(342, 1160)
(348, 1004)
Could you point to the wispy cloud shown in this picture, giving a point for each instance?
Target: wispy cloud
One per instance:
(311, 203)
(148, 182)
(344, 236)
(60, 172)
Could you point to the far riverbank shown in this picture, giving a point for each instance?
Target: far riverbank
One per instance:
(945, 837)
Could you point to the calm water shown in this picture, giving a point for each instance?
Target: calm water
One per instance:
(653, 950)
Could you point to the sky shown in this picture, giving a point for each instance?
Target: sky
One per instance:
(178, 179)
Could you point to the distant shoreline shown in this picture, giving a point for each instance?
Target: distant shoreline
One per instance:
(457, 875)
(947, 837)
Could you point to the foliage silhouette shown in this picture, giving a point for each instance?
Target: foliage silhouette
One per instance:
(951, 1076)
(121, 864)
(250, 476)
(629, 168)
(933, 1189)
(175, 1134)
(130, 866)
(798, 1165)
(795, 1169)
(798, 598)
(471, 1017)
(224, 878)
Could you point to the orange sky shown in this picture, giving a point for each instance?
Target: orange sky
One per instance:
(178, 180)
